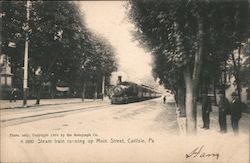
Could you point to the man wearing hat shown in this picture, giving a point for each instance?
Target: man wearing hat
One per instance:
(224, 106)
(206, 109)
(236, 109)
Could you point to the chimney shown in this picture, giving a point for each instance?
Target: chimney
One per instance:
(119, 79)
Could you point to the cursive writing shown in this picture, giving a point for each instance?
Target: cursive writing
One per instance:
(198, 153)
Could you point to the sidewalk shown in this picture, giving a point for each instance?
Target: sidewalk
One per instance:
(6, 104)
(214, 123)
(230, 148)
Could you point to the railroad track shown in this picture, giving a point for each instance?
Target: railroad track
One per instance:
(35, 117)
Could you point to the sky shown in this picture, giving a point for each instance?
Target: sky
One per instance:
(108, 18)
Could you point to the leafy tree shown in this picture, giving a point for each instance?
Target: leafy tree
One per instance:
(183, 35)
(239, 67)
(100, 63)
(245, 67)
(13, 18)
(58, 26)
(60, 44)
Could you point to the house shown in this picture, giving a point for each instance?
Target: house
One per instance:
(5, 72)
(5, 77)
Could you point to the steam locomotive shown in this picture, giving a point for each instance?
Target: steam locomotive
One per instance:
(127, 92)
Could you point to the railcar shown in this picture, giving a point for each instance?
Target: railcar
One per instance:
(127, 92)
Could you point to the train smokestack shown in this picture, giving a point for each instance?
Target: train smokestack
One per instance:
(119, 79)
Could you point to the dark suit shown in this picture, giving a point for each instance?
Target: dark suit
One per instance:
(206, 109)
(236, 109)
(224, 106)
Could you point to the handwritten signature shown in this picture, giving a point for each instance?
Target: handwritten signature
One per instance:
(198, 152)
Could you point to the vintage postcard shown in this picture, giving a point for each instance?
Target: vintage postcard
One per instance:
(125, 81)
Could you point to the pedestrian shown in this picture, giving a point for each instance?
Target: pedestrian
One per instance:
(102, 97)
(224, 109)
(164, 99)
(13, 95)
(206, 109)
(236, 109)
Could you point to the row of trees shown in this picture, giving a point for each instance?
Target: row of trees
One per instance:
(192, 42)
(60, 44)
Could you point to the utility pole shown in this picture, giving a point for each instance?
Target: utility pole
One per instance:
(103, 86)
(26, 56)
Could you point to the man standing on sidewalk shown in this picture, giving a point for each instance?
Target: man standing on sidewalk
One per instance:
(206, 109)
(236, 109)
(224, 106)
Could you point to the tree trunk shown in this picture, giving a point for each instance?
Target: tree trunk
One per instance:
(192, 80)
(83, 89)
(52, 86)
(103, 86)
(176, 98)
(181, 101)
(180, 93)
(224, 77)
(214, 91)
(190, 103)
(53, 91)
(95, 92)
(38, 94)
(236, 76)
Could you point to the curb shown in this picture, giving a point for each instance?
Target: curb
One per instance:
(35, 105)
(181, 121)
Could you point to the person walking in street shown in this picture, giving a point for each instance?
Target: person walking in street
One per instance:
(224, 109)
(236, 109)
(13, 95)
(164, 99)
(206, 109)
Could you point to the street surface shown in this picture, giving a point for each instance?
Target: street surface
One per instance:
(98, 131)
(114, 123)
(100, 115)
